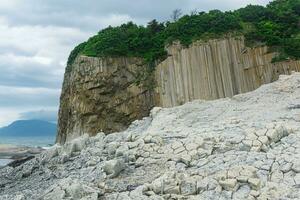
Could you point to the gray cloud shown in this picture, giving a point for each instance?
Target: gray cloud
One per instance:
(36, 37)
(28, 73)
(91, 14)
(35, 56)
(46, 115)
(16, 97)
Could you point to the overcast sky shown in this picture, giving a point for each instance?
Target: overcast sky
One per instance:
(36, 37)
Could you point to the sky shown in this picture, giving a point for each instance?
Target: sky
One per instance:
(36, 37)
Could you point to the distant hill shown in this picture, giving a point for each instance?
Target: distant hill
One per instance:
(29, 128)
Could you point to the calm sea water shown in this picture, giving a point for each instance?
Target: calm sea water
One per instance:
(37, 141)
(4, 162)
(41, 141)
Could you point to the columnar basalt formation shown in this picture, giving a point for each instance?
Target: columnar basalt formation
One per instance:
(216, 69)
(101, 94)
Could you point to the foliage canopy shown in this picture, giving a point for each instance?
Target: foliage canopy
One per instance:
(276, 25)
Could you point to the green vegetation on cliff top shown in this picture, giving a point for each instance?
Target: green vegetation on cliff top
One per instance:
(276, 25)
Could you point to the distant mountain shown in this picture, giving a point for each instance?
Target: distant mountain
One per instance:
(29, 128)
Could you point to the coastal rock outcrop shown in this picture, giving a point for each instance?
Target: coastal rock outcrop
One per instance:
(102, 94)
(106, 94)
(244, 147)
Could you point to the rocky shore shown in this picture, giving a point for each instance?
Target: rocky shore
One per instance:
(16, 155)
(246, 147)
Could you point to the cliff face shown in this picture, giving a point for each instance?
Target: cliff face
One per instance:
(100, 94)
(216, 69)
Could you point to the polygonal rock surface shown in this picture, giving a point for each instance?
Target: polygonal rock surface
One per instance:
(247, 147)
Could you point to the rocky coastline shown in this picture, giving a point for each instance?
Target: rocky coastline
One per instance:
(244, 147)
(15, 155)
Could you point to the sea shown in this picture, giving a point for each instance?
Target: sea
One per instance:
(4, 162)
(36, 141)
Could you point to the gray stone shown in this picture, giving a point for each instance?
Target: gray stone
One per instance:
(188, 187)
(241, 193)
(254, 193)
(263, 139)
(254, 183)
(296, 166)
(113, 167)
(297, 179)
(286, 167)
(55, 194)
(122, 150)
(229, 184)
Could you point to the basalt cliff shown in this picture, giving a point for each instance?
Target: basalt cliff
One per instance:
(107, 94)
(102, 94)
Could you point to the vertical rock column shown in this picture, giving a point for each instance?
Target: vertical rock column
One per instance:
(216, 69)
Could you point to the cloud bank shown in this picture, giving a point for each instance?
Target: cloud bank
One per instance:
(36, 38)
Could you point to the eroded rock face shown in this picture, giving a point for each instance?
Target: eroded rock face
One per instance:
(247, 147)
(102, 94)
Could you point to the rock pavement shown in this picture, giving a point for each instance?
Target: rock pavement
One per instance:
(246, 147)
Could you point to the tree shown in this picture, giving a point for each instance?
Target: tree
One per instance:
(252, 13)
(292, 47)
(176, 14)
(194, 12)
(155, 26)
